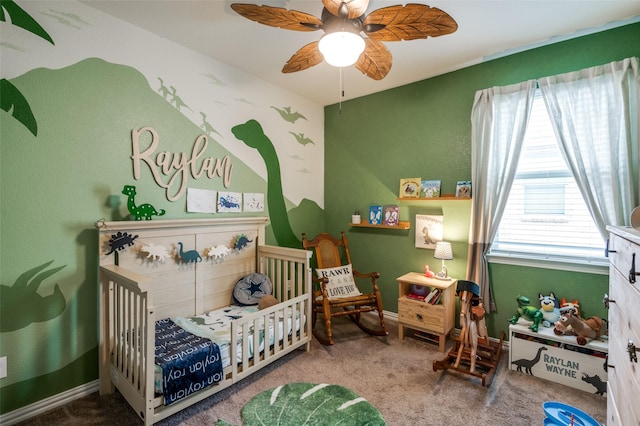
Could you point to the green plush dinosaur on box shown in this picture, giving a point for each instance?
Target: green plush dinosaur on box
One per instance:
(528, 312)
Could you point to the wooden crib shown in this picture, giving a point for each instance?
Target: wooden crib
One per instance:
(146, 276)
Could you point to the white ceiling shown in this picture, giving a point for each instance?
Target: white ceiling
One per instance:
(486, 30)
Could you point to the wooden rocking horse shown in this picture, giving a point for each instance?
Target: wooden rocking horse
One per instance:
(472, 353)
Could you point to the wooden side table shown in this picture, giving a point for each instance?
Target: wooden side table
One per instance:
(437, 319)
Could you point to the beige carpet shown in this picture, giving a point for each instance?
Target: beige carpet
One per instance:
(395, 376)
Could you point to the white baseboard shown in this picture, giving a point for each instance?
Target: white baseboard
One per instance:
(48, 404)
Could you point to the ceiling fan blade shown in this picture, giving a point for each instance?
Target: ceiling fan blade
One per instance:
(375, 61)
(352, 9)
(278, 17)
(306, 57)
(410, 22)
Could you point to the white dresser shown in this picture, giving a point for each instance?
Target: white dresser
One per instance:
(623, 388)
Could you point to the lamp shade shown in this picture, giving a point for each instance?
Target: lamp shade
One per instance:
(443, 251)
(341, 48)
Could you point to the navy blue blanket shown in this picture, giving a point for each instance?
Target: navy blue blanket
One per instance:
(189, 363)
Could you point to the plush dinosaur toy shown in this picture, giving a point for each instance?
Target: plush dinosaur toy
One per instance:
(528, 312)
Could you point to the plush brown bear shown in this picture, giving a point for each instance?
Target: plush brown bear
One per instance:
(267, 301)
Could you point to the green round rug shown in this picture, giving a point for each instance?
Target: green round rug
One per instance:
(298, 404)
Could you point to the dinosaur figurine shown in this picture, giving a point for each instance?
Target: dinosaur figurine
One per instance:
(191, 256)
(528, 312)
(528, 364)
(241, 242)
(155, 252)
(218, 252)
(143, 211)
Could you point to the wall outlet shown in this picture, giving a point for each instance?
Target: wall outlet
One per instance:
(3, 367)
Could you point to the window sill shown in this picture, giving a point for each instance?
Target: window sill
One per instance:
(587, 266)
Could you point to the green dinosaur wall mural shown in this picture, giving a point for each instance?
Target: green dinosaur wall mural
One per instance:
(87, 107)
(252, 134)
(12, 100)
(21, 304)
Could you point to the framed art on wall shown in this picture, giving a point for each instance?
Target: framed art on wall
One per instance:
(428, 230)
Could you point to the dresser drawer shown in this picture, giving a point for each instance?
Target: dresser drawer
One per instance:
(420, 314)
(624, 256)
(613, 418)
(624, 325)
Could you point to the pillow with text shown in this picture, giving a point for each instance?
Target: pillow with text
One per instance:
(341, 283)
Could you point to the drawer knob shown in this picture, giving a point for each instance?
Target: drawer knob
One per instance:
(606, 301)
(419, 317)
(631, 348)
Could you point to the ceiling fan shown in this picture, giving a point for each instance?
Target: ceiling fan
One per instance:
(344, 21)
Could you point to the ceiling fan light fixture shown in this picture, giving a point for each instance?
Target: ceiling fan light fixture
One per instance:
(341, 48)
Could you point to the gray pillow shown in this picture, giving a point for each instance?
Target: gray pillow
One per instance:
(251, 288)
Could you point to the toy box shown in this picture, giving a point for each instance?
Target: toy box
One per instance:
(558, 358)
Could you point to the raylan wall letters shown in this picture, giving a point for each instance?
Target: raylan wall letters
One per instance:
(177, 166)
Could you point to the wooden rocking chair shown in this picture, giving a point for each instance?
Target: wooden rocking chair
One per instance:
(331, 252)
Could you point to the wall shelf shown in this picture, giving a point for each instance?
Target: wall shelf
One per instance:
(440, 198)
(401, 225)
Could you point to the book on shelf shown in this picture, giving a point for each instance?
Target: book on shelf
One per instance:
(463, 188)
(409, 187)
(430, 188)
(375, 215)
(436, 299)
(415, 297)
(390, 215)
(431, 295)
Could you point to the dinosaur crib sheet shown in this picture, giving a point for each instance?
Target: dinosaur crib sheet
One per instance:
(216, 325)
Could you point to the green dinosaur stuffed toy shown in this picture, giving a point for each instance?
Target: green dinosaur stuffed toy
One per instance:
(528, 312)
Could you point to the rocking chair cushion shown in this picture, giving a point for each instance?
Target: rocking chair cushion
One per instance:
(341, 283)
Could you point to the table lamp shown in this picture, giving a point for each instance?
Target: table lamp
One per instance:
(443, 251)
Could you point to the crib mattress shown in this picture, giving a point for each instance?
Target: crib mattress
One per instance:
(216, 325)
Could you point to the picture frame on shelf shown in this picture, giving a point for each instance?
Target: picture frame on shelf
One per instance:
(375, 215)
(409, 187)
(463, 189)
(430, 188)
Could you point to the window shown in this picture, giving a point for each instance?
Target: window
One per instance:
(546, 216)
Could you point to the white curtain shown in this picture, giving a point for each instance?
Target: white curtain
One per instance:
(498, 122)
(594, 113)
